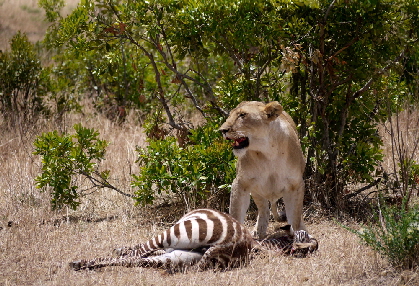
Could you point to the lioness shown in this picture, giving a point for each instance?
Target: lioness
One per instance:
(270, 163)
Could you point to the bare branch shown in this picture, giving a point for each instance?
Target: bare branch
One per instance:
(369, 186)
(192, 97)
(182, 76)
(103, 183)
(172, 66)
(230, 53)
(344, 113)
(166, 42)
(359, 92)
(160, 89)
(344, 48)
(328, 10)
(208, 91)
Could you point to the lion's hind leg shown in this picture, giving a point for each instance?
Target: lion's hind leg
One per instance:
(279, 216)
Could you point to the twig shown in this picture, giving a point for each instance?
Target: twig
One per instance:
(348, 196)
(367, 195)
(103, 183)
(382, 220)
(328, 10)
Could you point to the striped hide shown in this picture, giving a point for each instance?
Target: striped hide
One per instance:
(203, 238)
(299, 244)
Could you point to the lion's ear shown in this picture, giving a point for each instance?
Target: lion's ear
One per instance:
(273, 110)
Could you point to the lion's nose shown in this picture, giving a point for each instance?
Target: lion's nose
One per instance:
(224, 130)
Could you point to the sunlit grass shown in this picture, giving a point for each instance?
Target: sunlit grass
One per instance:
(36, 248)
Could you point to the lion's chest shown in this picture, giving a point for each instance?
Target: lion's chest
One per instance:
(259, 175)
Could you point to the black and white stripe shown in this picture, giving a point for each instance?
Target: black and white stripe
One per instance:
(298, 244)
(205, 238)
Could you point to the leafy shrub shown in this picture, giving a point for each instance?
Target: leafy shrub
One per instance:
(23, 81)
(63, 157)
(328, 57)
(197, 172)
(396, 236)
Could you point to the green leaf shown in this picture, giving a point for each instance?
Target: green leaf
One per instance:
(63, 159)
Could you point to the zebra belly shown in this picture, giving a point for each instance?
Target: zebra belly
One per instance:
(176, 258)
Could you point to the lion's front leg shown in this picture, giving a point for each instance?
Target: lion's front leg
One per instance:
(239, 201)
(263, 216)
(293, 201)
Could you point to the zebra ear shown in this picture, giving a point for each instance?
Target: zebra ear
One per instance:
(273, 110)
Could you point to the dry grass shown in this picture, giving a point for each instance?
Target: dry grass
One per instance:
(26, 16)
(407, 123)
(36, 248)
(36, 244)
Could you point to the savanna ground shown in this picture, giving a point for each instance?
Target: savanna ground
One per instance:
(36, 243)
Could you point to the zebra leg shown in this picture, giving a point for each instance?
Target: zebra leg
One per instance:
(123, 251)
(224, 256)
(175, 259)
(136, 251)
(108, 261)
(281, 244)
(298, 245)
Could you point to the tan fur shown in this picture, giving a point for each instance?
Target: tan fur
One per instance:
(270, 167)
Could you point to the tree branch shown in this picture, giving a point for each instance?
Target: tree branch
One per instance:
(343, 48)
(156, 74)
(328, 10)
(172, 66)
(160, 89)
(359, 92)
(182, 76)
(348, 196)
(103, 183)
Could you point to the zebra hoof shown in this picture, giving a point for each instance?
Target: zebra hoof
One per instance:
(76, 265)
(118, 251)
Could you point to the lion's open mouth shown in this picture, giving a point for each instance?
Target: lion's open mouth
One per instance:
(240, 143)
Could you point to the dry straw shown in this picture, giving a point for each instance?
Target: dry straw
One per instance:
(36, 244)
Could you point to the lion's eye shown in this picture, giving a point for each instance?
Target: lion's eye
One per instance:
(242, 115)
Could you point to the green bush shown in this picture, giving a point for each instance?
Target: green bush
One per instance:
(65, 156)
(200, 171)
(23, 82)
(197, 172)
(325, 61)
(396, 236)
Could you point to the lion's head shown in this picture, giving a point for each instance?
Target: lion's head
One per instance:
(248, 125)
